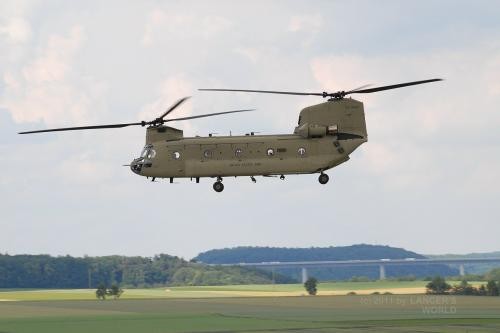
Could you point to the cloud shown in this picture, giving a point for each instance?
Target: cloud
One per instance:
(311, 23)
(485, 177)
(432, 154)
(306, 26)
(86, 169)
(16, 30)
(250, 53)
(398, 165)
(55, 62)
(162, 24)
(49, 89)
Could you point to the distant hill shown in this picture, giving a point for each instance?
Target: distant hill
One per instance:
(262, 254)
(471, 268)
(353, 252)
(495, 254)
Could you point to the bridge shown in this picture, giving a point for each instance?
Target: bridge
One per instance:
(381, 263)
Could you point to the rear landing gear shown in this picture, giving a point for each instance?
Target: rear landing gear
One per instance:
(323, 178)
(218, 186)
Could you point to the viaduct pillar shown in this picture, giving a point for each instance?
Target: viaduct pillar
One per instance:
(381, 272)
(462, 270)
(304, 275)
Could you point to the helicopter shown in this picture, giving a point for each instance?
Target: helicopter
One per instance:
(325, 136)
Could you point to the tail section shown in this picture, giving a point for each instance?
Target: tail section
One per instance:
(344, 116)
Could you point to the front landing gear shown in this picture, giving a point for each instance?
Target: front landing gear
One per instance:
(323, 178)
(218, 186)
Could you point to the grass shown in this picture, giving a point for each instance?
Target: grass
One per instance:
(398, 313)
(237, 309)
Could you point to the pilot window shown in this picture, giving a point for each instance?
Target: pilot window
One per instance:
(148, 152)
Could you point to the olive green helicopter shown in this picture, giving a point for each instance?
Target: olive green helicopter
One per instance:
(326, 134)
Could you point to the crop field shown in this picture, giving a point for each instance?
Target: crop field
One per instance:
(373, 313)
(329, 288)
(224, 309)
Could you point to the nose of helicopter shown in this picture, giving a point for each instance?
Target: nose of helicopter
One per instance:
(136, 166)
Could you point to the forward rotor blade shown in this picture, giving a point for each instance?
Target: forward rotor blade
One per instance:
(208, 115)
(173, 107)
(267, 92)
(83, 128)
(394, 86)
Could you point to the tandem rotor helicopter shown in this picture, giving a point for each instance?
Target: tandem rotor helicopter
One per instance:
(326, 134)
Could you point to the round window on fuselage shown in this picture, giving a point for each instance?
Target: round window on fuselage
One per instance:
(270, 152)
(176, 155)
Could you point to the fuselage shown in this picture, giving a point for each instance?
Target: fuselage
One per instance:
(325, 136)
(248, 155)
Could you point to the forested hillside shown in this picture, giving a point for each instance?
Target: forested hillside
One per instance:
(353, 252)
(472, 268)
(262, 254)
(44, 271)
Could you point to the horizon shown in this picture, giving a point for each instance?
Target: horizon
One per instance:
(244, 246)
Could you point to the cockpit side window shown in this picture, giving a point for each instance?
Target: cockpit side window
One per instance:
(148, 152)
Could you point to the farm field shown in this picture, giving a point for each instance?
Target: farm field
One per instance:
(250, 308)
(328, 288)
(373, 313)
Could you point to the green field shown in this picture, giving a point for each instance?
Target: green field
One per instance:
(329, 288)
(222, 309)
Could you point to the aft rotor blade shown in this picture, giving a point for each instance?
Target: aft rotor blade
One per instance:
(208, 115)
(83, 128)
(359, 88)
(173, 107)
(394, 86)
(335, 95)
(268, 92)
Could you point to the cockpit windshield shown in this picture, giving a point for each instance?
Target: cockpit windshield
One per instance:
(145, 160)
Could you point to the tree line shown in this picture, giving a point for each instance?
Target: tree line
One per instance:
(439, 286)
(45, 271)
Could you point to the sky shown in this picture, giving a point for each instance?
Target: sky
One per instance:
(427, 180)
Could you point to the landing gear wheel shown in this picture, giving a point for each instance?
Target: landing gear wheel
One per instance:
(218, 186)
(323, 178)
